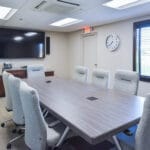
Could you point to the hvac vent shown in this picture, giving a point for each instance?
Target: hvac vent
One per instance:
(40, 5)
(58, 7)
(67, 2)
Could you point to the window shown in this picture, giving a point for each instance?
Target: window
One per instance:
(141, 52)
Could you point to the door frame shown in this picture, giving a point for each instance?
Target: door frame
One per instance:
(82, 45)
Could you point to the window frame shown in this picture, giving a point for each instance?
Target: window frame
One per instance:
(136, 25)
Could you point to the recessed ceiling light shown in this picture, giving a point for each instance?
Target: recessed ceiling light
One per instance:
(66, 22)
(6, 12)
(18, 38)
(123, 4)
(30, 34)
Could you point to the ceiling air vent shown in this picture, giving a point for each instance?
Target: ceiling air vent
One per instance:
(40, 5)
(57, 7)
(70, 3)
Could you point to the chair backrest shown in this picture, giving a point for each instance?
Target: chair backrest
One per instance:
(81, 74)
(35, 126)
(35, 71)
(142, 137)
(14, 87)
(100, 78)
(126, 81)
(5, 76)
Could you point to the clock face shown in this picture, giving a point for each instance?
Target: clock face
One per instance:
(112, 42)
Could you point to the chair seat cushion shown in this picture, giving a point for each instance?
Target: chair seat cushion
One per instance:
(128, 140)
(54, 134)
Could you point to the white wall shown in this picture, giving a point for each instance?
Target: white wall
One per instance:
(120, 59)
(67, 52)
(57, 60)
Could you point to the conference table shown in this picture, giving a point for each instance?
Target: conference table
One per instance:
(93, 113)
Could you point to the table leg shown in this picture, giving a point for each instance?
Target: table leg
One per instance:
(116, 142)
(54, 123)
(67, 129)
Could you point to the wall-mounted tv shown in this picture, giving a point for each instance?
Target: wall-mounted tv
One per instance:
(15, 43)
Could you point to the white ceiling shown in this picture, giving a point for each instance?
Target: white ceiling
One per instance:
(90, 11)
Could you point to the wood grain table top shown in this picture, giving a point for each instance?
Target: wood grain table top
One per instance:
(91, 112)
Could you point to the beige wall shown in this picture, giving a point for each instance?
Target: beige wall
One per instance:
(120, 59)
(67, 52)
(57, 60)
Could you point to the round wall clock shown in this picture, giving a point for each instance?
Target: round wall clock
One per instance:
(112, 42)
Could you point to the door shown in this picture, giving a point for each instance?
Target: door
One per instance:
(90, 53)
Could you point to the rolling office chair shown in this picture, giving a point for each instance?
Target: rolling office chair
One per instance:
(35, 71)
(5, 76)
(81, 74)
(126, 81)
(100, 78)
(18, 116)
(140, 140)
(37, 134)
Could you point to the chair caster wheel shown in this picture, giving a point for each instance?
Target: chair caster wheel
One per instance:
(14, 131)
(8, 146)
(2, 125)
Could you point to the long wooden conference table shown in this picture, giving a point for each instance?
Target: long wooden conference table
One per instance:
(93, 113)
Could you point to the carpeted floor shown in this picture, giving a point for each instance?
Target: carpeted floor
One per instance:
(6, 133)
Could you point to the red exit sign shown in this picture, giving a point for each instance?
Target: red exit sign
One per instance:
(87, 29)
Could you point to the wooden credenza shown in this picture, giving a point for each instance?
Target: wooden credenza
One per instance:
(20, 73)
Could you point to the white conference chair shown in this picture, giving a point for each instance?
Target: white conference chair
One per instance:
(37, 71)
(140, 139)
(34, 71)
(100, 78)
(8, 99)
(5, 76)
(126, 81)
(14, 85)
(37, 134)
(17, 116)
(81, 74)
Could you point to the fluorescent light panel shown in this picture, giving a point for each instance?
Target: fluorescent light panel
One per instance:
(66, 22)
(123, 4)
(6, 12)
(119, 3)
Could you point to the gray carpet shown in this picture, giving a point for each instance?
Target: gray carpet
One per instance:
(6, 133)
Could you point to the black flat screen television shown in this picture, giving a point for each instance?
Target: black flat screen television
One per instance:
(21, 43)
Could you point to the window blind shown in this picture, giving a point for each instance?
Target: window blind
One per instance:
(143, 51)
